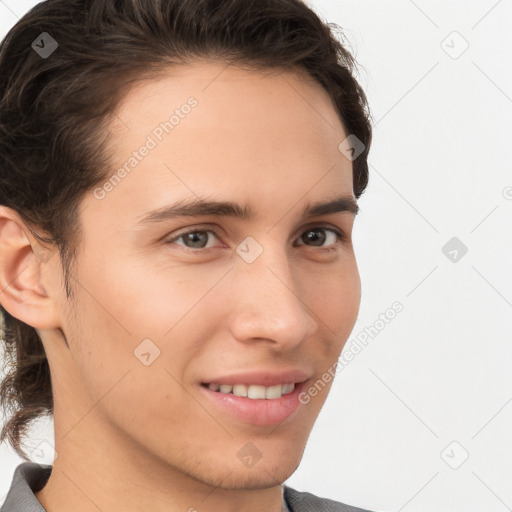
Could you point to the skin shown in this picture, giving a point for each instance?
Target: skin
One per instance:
(135, 437)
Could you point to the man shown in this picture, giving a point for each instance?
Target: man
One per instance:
(178, 200)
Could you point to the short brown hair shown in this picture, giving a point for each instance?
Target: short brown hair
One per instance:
(53, 109)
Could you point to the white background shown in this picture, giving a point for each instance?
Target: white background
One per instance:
(440, 167)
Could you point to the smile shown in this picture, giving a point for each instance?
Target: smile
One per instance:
(253, 391)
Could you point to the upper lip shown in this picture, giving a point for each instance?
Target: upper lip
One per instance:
(262, 378)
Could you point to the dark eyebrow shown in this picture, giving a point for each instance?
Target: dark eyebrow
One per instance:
(201, 207)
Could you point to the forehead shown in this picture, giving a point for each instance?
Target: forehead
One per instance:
(244, 104)
(270, 134)
(216, 82)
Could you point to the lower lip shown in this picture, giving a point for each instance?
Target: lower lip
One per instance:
(262, 412)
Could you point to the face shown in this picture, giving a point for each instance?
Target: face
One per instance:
(166, 304)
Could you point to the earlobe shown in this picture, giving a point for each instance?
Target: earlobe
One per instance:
(22, 257)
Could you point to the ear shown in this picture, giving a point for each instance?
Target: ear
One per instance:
(23, 263)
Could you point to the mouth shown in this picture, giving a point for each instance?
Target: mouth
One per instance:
(252, 391)
(255, 404)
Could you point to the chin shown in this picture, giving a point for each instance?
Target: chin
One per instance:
(257, 478)
(262, 475)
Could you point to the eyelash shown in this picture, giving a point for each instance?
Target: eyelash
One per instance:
(340, 237)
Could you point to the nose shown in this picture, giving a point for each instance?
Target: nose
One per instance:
(269, 302)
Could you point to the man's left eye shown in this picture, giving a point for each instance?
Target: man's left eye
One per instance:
(312, 235)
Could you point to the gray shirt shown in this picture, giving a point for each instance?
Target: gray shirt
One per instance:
(30, 477)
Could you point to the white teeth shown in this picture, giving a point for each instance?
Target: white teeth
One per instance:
(287, 388)
(274, 391)
(226, 388)
(254, 391)
(240, 390)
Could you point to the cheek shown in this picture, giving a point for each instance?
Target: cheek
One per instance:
(129, 373)
(158, 298)
(112, 318)
(131, 315)
(334, 296)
